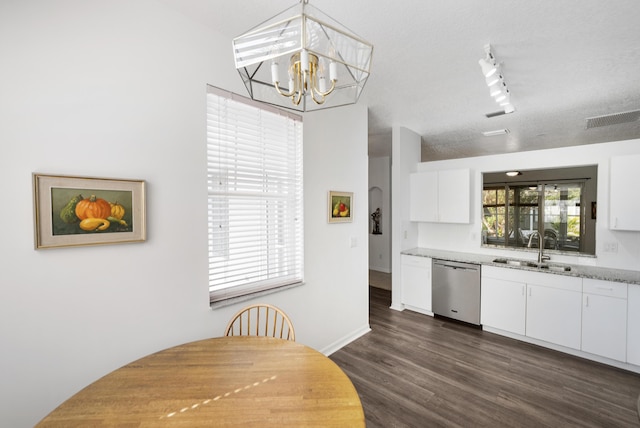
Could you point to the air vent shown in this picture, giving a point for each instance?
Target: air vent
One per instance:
(613, 119)
(496, 132)
(495, 113)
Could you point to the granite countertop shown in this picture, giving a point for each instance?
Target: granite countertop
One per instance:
(606, 274)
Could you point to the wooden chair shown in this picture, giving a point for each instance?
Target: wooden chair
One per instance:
(261, 320)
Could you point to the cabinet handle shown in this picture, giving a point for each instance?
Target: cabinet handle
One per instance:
(523, 290)
(605, 288)
(529, 292)
(586, 301)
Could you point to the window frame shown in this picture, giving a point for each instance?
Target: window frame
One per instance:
(583, 176)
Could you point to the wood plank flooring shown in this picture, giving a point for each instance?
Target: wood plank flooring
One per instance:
(413, 370)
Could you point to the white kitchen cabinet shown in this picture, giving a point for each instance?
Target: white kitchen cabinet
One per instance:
(423, 196)
(604, 318)
(633, 324)
(440, 196)
(416, 283)
(623, 201)
(503, 300)
(554, 309)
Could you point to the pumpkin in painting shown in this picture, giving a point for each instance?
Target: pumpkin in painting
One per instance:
(93, 207)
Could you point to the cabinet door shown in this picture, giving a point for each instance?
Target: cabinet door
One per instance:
(423, 196)
(503, 304)
(604, 326)
(604, 318)
(623, 201)
(633, 324)
(416, 282)
(554, 315)
(454, 196)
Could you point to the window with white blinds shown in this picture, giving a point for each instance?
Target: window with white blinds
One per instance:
(255, 206)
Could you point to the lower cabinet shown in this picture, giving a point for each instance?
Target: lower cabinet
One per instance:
(604, 318)
(538, 305)
(633, 324)
(416, 283)
(554, 314)
(503, 302)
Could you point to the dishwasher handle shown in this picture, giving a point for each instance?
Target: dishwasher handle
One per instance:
(455, 265)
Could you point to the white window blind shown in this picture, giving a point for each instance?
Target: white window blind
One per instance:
(255, 206)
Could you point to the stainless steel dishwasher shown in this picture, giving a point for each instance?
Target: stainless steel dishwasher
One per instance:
(456, 290)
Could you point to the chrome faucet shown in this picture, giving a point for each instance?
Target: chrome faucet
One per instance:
(541, 256)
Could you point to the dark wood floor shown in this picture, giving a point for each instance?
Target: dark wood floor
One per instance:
(413, 370)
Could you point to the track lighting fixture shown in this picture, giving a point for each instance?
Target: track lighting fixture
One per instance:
(495, 81)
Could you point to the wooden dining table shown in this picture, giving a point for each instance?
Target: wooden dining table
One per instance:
(243, 381)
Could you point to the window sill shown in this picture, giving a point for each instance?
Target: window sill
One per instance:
(251, 296)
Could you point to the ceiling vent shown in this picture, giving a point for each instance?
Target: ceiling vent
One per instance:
(613, 119)
(496, 132)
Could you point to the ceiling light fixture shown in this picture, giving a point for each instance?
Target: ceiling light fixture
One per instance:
(513, 173)
(495, 81)
(327, 64)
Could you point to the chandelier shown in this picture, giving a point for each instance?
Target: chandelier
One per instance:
(324, 64)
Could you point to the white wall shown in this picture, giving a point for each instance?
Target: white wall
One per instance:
(380, 245)
(405, 157)
(467, 237)
(117, 89)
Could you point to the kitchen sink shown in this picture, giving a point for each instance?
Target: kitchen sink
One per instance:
(526, 263)
(555, 268)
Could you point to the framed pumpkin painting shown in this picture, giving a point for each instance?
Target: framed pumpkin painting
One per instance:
(75, 211)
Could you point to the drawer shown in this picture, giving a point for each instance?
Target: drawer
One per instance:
(417, 261)
(564, 282)
(604, 288)
(506, 274)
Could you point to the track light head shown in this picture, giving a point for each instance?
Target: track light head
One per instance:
(488, 68)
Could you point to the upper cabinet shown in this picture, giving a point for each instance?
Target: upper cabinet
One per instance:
(624, 204)
(440, 196)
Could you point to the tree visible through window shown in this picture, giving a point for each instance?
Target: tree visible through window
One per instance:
(254, 164)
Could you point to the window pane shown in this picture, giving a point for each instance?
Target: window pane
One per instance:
(562, 216)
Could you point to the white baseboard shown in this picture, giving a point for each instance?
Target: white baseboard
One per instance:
(574, 352)
(379, 269)
(344, 341)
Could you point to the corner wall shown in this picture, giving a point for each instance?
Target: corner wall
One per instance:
(405, 158)
(118, 89)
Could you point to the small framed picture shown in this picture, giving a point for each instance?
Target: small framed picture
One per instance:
(340, 207)
(76, 211)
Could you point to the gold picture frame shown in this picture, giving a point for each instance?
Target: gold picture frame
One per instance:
(72, 211)
(340, 207)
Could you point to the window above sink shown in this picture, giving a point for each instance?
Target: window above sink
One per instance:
(554, 208)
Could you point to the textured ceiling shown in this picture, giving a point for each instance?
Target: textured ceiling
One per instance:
(563, 61)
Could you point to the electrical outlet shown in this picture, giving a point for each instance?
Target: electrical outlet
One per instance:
(610, 247)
